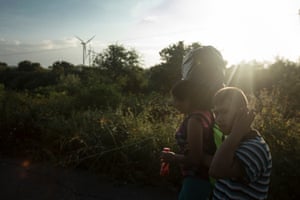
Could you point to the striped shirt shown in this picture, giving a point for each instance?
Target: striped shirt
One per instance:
(256, 159)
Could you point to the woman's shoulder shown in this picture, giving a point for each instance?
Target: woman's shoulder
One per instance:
(204, 117)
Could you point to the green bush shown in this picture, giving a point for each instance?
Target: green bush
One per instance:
(98, 96)
(283, 136)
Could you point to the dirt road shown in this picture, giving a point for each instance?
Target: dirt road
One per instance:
(21, 180)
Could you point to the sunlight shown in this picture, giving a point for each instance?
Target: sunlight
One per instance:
(251, 30)
(248, 30)
(242, 30)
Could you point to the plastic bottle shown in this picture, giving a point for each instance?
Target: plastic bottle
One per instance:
(164, 168)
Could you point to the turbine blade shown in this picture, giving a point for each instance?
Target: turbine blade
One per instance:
(90, 39)
(79, 39)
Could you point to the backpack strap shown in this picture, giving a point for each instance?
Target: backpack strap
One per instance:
(207, 121)
(217, 133)
(218, 136)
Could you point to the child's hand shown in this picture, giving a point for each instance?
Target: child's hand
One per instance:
(242, 123)
(167, 156)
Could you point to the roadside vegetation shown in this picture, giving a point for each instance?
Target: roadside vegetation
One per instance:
(114, 117)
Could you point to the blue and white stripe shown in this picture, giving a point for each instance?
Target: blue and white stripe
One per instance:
(256, 159)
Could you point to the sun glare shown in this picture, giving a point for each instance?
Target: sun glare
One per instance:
(251, 30)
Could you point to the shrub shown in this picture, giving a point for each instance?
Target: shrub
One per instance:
(283, 136)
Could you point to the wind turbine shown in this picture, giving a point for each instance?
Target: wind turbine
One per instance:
(84, 47)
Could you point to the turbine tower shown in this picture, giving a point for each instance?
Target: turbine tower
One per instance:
(84, 47)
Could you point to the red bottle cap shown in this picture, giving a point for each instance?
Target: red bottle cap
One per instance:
(167, 149)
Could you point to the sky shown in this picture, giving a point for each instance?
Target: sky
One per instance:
(243, 30)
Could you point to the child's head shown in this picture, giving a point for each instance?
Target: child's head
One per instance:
(227, 103)
(187, 97)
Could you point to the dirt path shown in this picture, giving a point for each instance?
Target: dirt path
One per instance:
(20, 180)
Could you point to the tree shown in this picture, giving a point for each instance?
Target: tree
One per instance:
(116, 59)
(28, 66)
(287, 79)
(3, 66)
(62, 67)
(173, 54)
(164, 75)
(122, 66)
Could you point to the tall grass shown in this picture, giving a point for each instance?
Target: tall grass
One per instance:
(125, 142)
(283, 136)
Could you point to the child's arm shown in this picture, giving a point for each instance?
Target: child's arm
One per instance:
(225, 164)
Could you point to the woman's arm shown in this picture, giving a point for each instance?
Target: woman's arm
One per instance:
(195, 155)
(194, 146)
(224, 163)
(195, 142)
